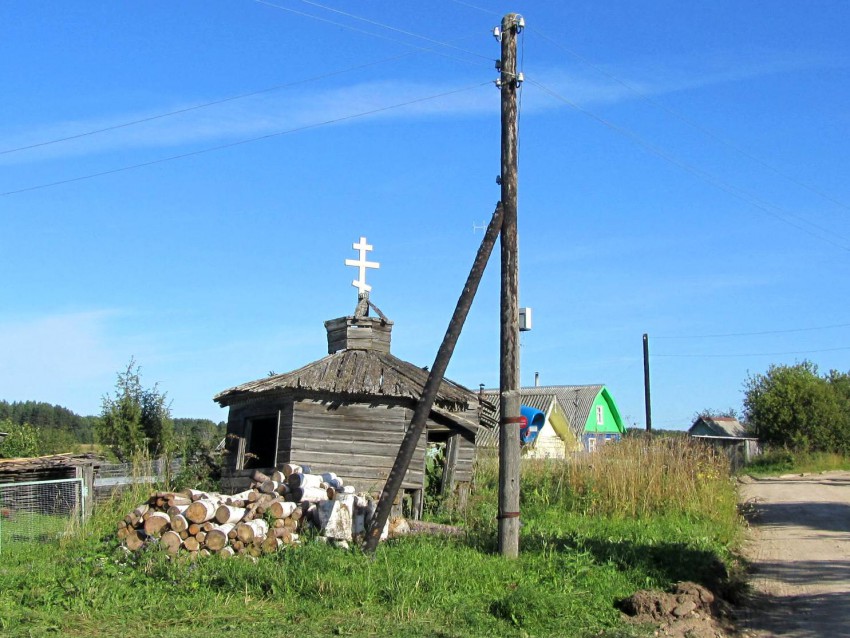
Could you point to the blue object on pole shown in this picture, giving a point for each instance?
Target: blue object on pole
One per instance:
(534, 422)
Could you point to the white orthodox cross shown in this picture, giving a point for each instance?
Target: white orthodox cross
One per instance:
(362, 264)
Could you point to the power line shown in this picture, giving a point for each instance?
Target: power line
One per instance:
(196, 107)
(477, 8)
(749, 354)
(736, 191)
(371, 22)
(245, 141)
(690, 122)
(703, 129)
(752, 334)
(697, 172)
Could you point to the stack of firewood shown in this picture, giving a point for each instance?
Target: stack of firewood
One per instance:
(272, 514)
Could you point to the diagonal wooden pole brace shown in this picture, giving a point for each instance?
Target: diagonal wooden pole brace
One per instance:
(432, 385)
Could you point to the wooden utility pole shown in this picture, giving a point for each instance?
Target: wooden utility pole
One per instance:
(509, 444)
(646, 400)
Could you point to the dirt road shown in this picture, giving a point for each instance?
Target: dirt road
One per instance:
(800, 553)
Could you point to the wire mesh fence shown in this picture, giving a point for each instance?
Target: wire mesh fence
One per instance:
(38, 512)
(113, 478)
(139, 471)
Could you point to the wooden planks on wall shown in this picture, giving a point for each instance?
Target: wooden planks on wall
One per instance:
(357, 441)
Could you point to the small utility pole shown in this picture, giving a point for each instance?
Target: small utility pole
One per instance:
(509, 444)
(646, 399)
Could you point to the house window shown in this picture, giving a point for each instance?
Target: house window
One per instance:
(600, 415)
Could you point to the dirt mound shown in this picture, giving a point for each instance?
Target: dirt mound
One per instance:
(689, 611)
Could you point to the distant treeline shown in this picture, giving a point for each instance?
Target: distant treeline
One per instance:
(200, 429)
(58, 426)
(62, 430)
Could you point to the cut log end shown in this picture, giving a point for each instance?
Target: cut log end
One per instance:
(171, 542)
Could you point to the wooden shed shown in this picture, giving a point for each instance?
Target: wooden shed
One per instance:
(53, 468)
(347, 413)
(729, 435)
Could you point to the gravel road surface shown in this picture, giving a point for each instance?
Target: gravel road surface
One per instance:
(800, 553)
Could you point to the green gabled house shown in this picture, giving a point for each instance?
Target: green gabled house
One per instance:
(592, 412)
(589, 412)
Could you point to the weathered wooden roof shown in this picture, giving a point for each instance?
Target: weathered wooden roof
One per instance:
(49, 460)
(354, 374)
(722, 426)
(22, 469)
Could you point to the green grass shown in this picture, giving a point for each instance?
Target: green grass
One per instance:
(23, 527)
(565, 583)
(784, 461)
(572, 568)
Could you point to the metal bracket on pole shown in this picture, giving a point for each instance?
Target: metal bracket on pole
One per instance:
(512, 419)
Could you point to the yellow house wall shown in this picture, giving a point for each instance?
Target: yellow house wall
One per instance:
(548, 445)
(555, 439)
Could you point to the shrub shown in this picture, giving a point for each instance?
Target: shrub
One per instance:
(21, 440)
(795, 407)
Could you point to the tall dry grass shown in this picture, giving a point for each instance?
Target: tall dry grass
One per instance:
(633, 478)
(106, 513)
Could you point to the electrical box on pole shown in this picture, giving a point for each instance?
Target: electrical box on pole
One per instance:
(524, 319)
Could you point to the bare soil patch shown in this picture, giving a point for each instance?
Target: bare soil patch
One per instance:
(689, 611)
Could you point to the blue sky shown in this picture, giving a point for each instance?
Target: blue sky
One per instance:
(682, 173)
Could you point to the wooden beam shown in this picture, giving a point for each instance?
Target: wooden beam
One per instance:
(432, 385)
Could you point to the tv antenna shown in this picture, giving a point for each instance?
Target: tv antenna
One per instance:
(476, 227)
